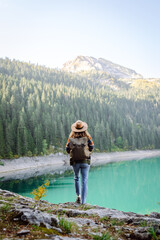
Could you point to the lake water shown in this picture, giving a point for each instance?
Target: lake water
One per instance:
(127, 186)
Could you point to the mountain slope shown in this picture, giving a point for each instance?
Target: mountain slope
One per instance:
(83, 63)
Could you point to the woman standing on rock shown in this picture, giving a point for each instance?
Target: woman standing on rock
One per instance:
(80, 146)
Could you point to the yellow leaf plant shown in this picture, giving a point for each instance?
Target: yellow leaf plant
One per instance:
(41, 191)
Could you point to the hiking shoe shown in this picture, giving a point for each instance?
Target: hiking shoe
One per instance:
(78, 200)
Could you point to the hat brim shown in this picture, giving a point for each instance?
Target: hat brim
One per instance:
(84, 128)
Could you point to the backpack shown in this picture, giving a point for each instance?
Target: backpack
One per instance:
(79, 149)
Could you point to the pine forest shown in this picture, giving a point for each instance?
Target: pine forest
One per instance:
(39, 104)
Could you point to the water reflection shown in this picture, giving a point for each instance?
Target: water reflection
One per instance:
(27, 185)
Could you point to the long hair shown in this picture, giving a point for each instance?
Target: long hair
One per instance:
(79, 134)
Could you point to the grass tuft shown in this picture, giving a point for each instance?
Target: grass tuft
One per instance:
(105, 236)
(5, 207)
(67, 226)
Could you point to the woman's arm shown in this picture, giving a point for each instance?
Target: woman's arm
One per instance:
(67, 146)
(90, 144)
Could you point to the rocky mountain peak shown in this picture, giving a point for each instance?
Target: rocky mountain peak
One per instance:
(85, 63)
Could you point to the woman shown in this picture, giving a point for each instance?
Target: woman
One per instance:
(80, 146)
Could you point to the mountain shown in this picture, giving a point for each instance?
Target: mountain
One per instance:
(83, 63)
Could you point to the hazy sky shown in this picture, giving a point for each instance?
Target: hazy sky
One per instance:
(51, 32)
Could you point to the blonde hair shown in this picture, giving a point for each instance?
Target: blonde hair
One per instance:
(79, 134)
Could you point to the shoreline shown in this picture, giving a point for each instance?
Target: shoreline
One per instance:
(25, 167)
(104, 158)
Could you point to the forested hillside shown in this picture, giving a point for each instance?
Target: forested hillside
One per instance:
(38, 106)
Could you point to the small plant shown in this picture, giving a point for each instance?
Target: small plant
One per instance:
(116, 222)
(44, 230)
(5, 208)
(29, 154)
(40, 191)
(143, 224)
(49, 210)
(67, 226)
(105, 236)
(152, 231)
(105, 218)
(85, 207)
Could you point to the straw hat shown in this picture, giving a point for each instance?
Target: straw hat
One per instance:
(79, 126)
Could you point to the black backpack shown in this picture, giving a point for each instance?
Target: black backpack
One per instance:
(79, 149)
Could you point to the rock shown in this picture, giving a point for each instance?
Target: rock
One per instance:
(23, 232)
(39, 218)
(57, 229)
(140, 236)
(82, 221)
(155, 215)
(7, 193)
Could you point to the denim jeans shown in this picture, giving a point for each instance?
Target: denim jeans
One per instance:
(82, 168)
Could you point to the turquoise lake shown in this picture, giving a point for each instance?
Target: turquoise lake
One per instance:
(132, 186)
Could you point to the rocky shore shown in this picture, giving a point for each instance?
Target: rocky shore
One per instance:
(25, 218)
(25, 167)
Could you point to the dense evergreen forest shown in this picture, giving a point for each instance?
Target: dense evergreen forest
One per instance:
(38, 106)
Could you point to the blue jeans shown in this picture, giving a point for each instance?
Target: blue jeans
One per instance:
(82, 168)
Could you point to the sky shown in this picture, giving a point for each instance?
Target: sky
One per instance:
(51, 32)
